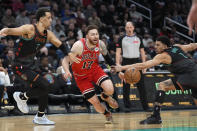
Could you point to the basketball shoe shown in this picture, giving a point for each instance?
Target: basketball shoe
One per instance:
(152, 120)
(42, 120)
(22, 104)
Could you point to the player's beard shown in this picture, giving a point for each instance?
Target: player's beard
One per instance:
(93, 42)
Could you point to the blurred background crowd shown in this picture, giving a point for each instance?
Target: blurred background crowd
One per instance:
(71, 17)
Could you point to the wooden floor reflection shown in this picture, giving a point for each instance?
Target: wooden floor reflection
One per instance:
(95, 122)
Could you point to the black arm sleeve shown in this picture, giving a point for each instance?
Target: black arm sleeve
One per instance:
(108, 59)
(65, 49)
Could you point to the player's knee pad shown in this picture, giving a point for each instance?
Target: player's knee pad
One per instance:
(160, 96)
(89, 95)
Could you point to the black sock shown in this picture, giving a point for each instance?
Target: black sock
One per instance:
(22, 96)
(159, 99)
(156, 110)
(40, 114)
(104, 95)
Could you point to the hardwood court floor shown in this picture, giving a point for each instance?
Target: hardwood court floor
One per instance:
(182, 120)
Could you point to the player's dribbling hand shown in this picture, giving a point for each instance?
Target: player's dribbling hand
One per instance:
(2, 32)
(73, 58)
(67, 75)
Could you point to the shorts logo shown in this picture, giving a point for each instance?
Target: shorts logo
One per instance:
(96, 49)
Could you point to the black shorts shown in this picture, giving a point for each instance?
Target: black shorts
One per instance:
(24, 72)
(186, 81)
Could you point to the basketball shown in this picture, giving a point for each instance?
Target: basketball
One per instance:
(132, 76)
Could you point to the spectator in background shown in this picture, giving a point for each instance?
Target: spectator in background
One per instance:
(66, 16)
(95, 20)
(146, 39)
(112, 45)
(71, 27)
(80, 18)
(58, 31)
(31, 6)
(17, 5)
(136, 17)
(55, 9)
(9, 60)
(88, 11)
(177, 17)
(8, 19)
(22, 18)
(81, 31)
(3, 45)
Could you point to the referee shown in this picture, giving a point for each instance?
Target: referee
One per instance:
(131, 48)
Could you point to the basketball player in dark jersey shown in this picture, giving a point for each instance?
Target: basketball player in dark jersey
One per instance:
(32, 39)
(184, 69)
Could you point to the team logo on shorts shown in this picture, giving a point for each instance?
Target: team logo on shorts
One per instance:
(96, 49)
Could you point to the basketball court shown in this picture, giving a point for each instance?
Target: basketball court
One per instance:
(181, 120)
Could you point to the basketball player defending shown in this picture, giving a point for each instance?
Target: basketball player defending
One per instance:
(88, 71)
(32, 39)
(184, 69)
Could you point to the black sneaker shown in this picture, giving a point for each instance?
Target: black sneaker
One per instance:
(152, 120)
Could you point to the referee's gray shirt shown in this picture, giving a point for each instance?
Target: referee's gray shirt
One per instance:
(130, 46)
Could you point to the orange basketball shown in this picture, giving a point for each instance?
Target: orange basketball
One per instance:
(132, 76)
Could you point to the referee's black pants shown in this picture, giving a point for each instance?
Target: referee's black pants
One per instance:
(140, 86)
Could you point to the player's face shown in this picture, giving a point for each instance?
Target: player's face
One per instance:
(159, 47)
(47, 19)
(93, 36)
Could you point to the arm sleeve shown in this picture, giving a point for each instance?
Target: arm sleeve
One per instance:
(108, 59)
(65, 49)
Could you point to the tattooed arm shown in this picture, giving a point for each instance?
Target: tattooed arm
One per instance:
(105, 53)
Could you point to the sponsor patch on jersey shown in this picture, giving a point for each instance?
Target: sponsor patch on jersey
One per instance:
(96, 49)
(135, 42)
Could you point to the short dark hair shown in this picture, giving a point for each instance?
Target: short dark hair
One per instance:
(41, 12)
(90, 27)
(165, 40)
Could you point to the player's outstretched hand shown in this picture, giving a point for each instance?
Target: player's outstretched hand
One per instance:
(2, 32)
(73, 58)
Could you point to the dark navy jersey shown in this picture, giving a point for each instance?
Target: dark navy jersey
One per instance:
(181, 63)
(27, 48)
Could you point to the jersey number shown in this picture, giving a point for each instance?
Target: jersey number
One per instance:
(87, 65)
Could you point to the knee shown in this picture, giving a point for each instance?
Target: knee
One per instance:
(161, 87)
(43, 84)
(108, 88)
